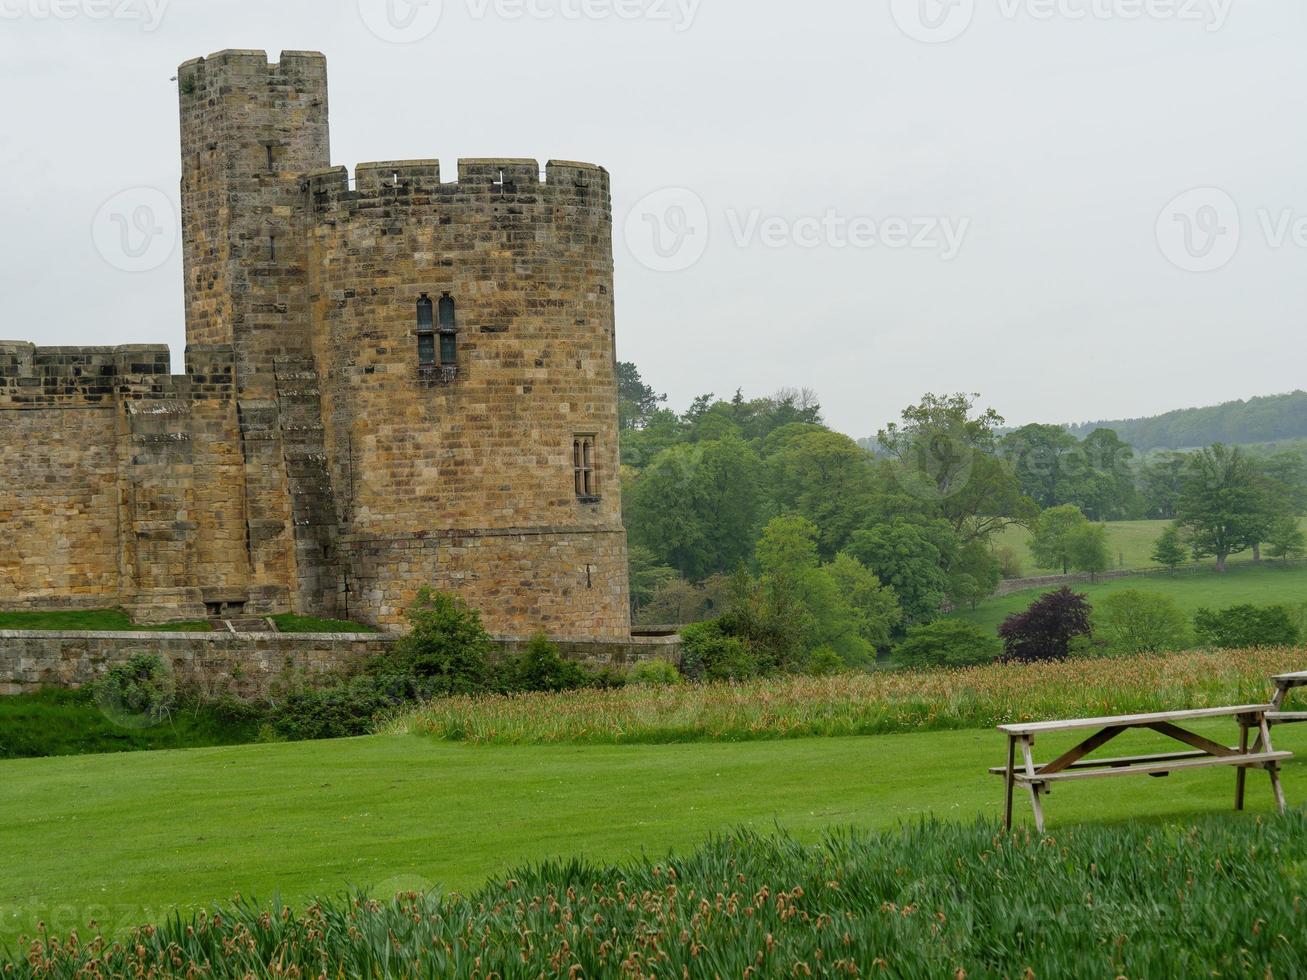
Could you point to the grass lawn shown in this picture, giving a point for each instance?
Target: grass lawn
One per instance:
(126, 839)
(1261, 585)
(91, 621)
(290, 623)
(1130, 544)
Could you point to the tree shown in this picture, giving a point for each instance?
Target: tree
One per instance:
(1170, 549)
(1106, 485)
(636, 401)
(1039, 455)
(947, 643)
(910, 559)
(1161, 484)
(1133, 622)
(647, 576)
(1246, 626)
(828, 479)
(1087, 549)
(945, 457)
(875, 607)
(696, 507)
(1046, 629)
(1285, 538)
(1053, 541)
(447, 649)
(1222, 505)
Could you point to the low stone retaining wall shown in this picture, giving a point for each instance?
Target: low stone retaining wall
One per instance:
(247, 665)
(251, 665)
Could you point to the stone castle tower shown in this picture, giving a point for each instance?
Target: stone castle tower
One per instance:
(392, 381)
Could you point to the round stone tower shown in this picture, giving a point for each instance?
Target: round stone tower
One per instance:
(464, 341)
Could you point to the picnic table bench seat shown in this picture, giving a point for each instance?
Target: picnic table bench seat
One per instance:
(1203, 751)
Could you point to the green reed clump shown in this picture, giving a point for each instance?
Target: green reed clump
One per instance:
(882, 702)
(1224, 898)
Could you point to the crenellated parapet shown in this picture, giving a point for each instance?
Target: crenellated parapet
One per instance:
(482, 181)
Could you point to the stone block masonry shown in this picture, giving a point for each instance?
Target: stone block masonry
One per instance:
(252, 665)
(401, 383)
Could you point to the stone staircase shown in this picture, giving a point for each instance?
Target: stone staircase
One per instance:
(245, 624)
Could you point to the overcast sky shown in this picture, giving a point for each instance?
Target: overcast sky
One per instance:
(1078, 208)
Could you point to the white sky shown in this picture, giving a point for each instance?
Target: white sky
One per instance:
(1053, 133)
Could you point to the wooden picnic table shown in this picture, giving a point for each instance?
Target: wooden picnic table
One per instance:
(1284, 683)
(1204, 752)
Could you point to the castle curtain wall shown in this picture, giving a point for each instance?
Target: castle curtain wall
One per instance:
(319, 455)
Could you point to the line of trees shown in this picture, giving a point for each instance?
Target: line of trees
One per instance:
(755, 511)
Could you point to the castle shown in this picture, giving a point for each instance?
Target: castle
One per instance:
(390, 382)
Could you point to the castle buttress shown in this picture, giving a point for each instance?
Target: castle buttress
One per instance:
(391, 381)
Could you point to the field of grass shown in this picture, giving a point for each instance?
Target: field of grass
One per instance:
(124, 839)
(91, 621)
(290, 623)
(1130, 544)
(884, 702)
(932, 899)
(1266, 584)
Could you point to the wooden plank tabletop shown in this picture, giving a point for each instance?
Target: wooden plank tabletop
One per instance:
(1036, 727)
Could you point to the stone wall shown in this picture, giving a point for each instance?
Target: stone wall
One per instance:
(246, 665)
(251, 665)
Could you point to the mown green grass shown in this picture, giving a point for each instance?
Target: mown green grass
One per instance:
(62, 722)
(290, 623)
(1130, 544)
(91, 621)
(125, 839)
(1265, 584)
(931, 899)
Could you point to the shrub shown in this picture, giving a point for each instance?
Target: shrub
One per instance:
(540, 668)
(825, 662)
(710, 654)
(654, 673)
(1132, 621)
(1246, 626)
(344, 711)
(947, 643)
(139, 693)
(1046, 629)
(447, 650)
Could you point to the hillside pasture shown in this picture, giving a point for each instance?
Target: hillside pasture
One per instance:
(1130, 544)
(1266, 583)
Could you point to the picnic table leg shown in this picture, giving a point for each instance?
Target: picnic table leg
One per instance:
(1027, 744)
(1272, 767)
(1241, 774)
(1011, 781)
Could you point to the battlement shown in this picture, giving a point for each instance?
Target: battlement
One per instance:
(488, 178)
(234, 64)
(52, 376)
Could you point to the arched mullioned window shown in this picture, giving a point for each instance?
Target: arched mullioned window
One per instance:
(426, 333)
(448, 331)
